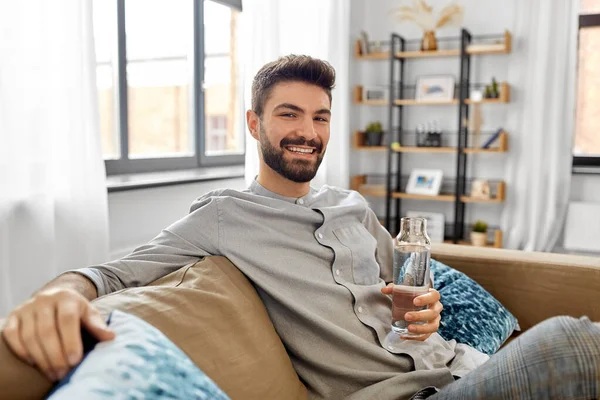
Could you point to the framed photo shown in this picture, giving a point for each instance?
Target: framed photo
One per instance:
(375, 93)
(480, 189)
(435, 88)
(435, 224)
(425, 181)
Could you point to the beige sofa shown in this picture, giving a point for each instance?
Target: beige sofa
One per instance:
(212, 312)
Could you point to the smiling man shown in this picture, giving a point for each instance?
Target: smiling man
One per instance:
(318, 258)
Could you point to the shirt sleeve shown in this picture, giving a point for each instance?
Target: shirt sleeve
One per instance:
(184, 242)
(385, 245)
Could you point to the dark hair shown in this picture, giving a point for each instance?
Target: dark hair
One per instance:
(290, 68)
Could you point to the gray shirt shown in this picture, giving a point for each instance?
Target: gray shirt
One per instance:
(318, 263)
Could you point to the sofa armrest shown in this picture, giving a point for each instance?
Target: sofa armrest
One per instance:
(533, 286)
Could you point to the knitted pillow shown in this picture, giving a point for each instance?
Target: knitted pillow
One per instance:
(471, 315)
(140, 363)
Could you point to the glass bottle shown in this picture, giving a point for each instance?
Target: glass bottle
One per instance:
(411, 277)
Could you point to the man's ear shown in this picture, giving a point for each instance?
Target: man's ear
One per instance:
(253, 122)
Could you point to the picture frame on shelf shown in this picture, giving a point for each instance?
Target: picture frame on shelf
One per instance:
(435, 88)
(480, 189)
(425, 181)
(435, 224)
(375, 93)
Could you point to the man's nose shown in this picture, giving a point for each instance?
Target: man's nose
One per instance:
(308, 129)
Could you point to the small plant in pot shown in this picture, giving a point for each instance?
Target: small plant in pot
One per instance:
(479, 234)
(374, 134)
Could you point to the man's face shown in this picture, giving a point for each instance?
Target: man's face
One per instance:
(294, 130)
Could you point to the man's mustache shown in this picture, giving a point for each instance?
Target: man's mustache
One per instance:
(318, 145)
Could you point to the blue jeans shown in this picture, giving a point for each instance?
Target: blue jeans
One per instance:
(556, 359)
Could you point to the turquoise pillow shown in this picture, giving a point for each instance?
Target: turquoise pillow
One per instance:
(140, 363)
(471, 314)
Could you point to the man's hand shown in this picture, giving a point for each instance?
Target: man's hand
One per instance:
(431, 315)
(45, 330)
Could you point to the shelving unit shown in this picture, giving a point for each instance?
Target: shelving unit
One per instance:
(392, 191)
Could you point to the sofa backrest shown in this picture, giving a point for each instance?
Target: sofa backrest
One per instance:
(533, 286)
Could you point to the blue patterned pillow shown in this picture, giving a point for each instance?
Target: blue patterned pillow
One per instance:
(471, 315)
(140, 363)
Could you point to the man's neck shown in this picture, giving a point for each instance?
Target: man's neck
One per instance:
(276, 183)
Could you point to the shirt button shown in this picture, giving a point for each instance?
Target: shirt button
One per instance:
(300, 201)
(320, 235)
(360, 309)
(337, 272)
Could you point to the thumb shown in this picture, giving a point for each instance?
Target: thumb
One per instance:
(388, 289)
(96, 326)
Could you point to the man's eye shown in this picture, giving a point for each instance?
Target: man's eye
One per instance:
(288, 115)
(321, 119)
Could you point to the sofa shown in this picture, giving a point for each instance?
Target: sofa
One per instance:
(213, 313)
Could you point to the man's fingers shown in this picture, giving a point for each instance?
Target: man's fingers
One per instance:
(431, 297)
(96, 325)
(430, 327)
(12, 336)
(30, 340)
(49, 339)
(421, 316)
(388, 289)
(68, 317)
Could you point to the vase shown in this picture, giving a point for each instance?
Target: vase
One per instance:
(429, 42)
(478, 239)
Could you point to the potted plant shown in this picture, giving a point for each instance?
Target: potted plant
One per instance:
(479, 234)
(421, 14)
(374, 133)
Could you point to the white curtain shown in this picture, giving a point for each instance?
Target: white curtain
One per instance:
(53, 205)
(319, 28)
(543, 73)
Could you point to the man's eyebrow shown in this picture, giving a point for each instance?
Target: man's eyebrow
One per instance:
(289, 106)
(299, 109)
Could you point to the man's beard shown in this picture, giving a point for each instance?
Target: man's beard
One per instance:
(297, 170)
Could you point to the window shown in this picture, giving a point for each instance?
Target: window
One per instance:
(586, 149)
(169, 89)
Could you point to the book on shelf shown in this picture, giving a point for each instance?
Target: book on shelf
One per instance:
(492, 139)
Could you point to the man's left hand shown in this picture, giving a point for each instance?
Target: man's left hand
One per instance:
(431, 316)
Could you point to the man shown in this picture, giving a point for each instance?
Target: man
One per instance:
(319, 259)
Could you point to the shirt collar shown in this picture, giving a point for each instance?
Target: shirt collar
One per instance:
(260, 190)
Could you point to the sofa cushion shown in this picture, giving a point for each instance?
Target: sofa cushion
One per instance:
(471, 315)
(213, 314)
(139, 363)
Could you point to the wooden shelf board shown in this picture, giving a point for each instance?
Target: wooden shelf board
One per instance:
(373, 102)
(467, 243)
(476, 151)
(468, 199)
(372, 190)
(411, 196)
(412, 102)
(423, 54)
(498, 48)
(370, 148)
(486, 101)
(380, 55)
(407, 149)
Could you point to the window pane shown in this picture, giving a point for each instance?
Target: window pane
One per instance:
(587, 126)
(224, 132)
(159, 36)
(105, 33)
(589, 7)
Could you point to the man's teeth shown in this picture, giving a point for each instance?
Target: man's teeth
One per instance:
(300, 150)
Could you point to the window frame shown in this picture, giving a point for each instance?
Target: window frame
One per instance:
(587, 162)
(126, 165)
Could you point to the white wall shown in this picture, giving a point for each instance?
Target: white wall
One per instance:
(481, 17)
(137, 216)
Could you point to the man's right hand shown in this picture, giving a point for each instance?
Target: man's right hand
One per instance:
(45, 330)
